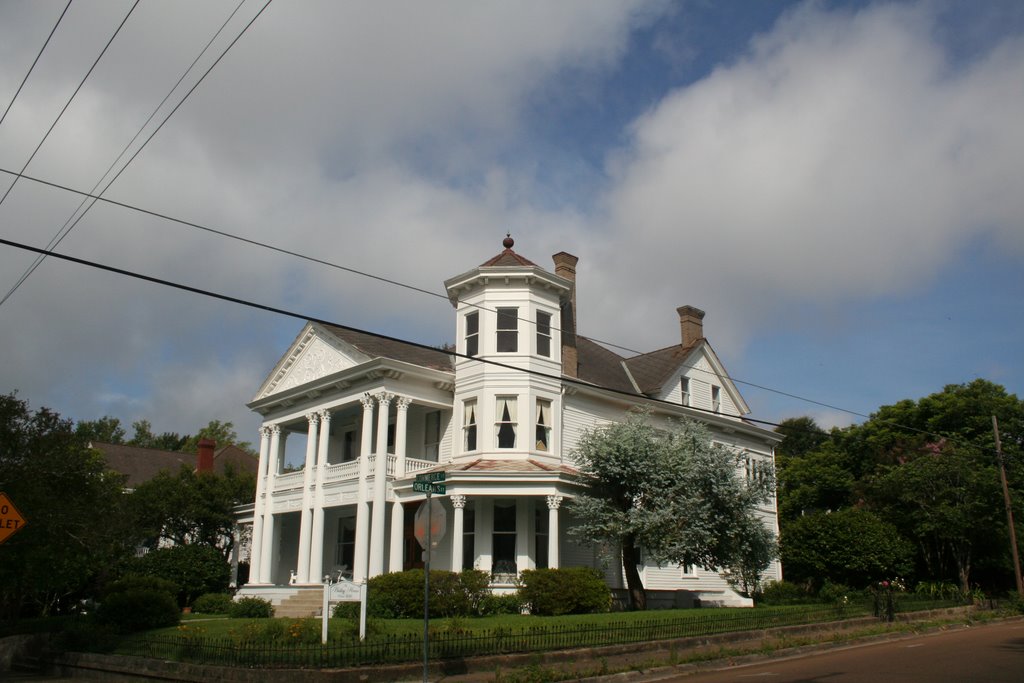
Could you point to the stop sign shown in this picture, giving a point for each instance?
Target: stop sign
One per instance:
(436, 517)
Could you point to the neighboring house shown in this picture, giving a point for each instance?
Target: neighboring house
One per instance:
(139, 465)
(360, 416)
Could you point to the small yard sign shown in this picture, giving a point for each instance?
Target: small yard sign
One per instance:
(344, 591)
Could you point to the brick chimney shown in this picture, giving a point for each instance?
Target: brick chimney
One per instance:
(204, 461)
(691, 324)
(565, 266)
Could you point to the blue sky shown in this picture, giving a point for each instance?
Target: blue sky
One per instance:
(837, 184)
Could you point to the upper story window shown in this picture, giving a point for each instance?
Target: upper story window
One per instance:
(472, 333)
(716, 398)
(543, 425)
(543, 334)
(508, 330)
(684, 391)
(432, 435)
(505, 425)
(469, 425)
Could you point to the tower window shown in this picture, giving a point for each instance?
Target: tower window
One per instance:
(543, 334)
(472, 333)
(508, 330)
(543, 425)
(506, 423)
(469, 425)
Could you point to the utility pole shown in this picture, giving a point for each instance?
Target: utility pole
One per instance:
(1009, 509)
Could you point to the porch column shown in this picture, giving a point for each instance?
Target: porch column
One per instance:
(258, 506)
(553, 504)
(380, 479)
(397, 551)
(316, 551)
(268, 505)
(484, 533)
(401, 421)
(306, 519)
(362, 507)
(524, 532)
(459, 505)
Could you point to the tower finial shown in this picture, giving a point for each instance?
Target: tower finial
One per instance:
(508, 241)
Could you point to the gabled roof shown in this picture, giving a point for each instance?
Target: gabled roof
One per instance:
(140, 465)
(652, 370)
(601, 367)
(377, 347)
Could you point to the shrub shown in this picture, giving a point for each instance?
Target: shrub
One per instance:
(784, 593)
(399, 595)
(251, 608)
(194, 569)
(212, 603)
(138, 609)
(573, 590)
(509, 603)
(141, 582)
(834, 593)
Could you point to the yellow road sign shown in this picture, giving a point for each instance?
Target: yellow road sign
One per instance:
(11, 520)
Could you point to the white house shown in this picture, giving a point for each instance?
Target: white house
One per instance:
(501, 420)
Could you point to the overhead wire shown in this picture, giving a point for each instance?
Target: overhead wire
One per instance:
(70, 99)
(66, 228)
(34, 62)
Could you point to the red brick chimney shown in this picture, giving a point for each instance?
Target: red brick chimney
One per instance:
(565, 266)
(204, 461)
(691, 324)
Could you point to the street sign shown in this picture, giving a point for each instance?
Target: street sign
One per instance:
(427, 487)
(438, 524)
(431, 476)
(11, 520)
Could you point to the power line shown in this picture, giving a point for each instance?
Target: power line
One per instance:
(390, 281)
(66, 228)
(68, 103)
(34, 62)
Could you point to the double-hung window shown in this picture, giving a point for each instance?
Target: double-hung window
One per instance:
(472, 333)
(505, 425)
(716, 398)
(508, 330)
(543, 334)
(543, 434)
(684, 391)
(469, 425)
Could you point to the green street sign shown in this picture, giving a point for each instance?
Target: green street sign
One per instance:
(428, 487)
(430, 476)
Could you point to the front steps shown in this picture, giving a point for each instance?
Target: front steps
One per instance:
(295, 602)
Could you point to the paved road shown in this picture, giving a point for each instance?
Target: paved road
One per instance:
(989, 653)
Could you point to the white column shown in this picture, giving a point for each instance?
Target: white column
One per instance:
(524, 532)
(396, 554)
(484, 532)
(401, 427)
(459, 505)
(258, 506)
(306, 518)
(316, 551)
(268, 507)
(553, 504)
(380, 478)
(362, 507)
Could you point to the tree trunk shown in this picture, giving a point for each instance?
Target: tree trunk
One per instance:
(630, 558)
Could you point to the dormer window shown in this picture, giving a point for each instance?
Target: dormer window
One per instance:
(505, 427)
(472, 333)
(508, 330)
(716, 398)
(543, 334)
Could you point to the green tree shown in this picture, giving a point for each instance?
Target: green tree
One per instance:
(851, 546)
(194, 569)
(192, 507)
(671, 492)
(145, 438)
(814, 482)
(221, 432)
(75, 531)
(801, 435)
(107, 429)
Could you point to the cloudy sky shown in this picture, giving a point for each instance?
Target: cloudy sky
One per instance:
(840, 185)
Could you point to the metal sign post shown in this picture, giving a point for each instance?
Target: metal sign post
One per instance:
(428, 483)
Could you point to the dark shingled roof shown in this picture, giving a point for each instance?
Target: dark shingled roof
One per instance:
(507, 257)
(652, 370)
(599, 366)
(377, 347)
(142, 464)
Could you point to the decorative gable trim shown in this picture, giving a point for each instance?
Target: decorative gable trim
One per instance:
(315, 353)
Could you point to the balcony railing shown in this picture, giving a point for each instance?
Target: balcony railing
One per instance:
(349, 471)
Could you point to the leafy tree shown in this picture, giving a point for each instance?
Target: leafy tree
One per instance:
(670, 492)
(221, 432)
(167, 441)
(194, 569)
(191, 507)
(107, 429)
(75, 531)
(815, 482)
(801, 435)
(851, 546)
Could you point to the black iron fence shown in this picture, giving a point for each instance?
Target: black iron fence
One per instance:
(447, 643)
